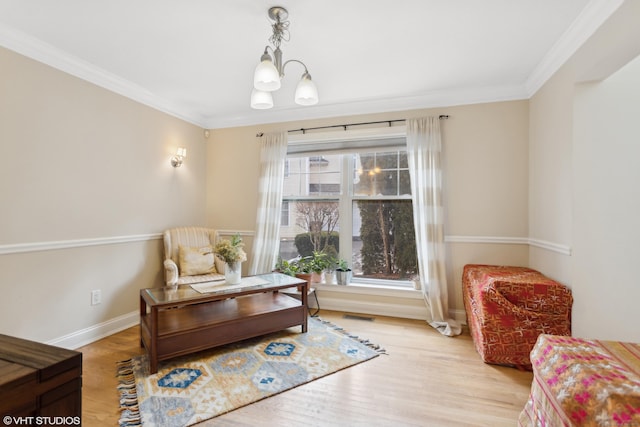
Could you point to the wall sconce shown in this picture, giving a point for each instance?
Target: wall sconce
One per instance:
(181, 153)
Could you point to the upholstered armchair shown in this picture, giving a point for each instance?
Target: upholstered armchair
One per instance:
(189, 257)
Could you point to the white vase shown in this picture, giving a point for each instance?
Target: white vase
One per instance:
(233, 273)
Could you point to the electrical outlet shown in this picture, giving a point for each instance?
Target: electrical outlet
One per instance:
(96, 297)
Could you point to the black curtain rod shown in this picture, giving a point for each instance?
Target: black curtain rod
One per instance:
(304, 130)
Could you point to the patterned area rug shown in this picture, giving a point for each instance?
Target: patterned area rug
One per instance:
(201, 386)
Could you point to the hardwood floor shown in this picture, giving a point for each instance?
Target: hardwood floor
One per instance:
(424, 380)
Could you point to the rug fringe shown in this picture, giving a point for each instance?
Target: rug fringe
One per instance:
(364, 341)
(130, 412)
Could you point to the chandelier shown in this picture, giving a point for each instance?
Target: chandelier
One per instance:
(269, 72)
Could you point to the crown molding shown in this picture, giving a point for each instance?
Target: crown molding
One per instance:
(37, 50)
(585, 25)
(434, 99)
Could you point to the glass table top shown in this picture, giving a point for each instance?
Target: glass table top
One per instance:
(262, 282)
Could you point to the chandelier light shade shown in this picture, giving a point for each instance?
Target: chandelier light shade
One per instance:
(266, 76)
(261, 100)
(270, 71)
(306, 91)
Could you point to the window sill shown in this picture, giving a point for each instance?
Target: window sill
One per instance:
(367, 289)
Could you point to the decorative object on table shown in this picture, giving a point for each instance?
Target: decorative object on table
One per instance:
(191, 389)
(343, 273)
(233, 255)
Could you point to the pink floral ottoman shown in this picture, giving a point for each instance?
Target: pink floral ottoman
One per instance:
(578, 382)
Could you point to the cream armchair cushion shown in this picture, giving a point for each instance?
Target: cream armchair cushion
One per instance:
(196, 245)
(196, 261)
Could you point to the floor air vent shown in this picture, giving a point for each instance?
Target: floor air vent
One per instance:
(356, 317)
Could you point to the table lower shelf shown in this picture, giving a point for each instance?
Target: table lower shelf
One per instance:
(186, 329)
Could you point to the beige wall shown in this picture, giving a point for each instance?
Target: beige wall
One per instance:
(486, 179)
(606, 207)
(550, 168)
(584, 175)
(89, 170)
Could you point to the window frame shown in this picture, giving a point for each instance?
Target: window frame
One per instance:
(347, 142)
(287, 216)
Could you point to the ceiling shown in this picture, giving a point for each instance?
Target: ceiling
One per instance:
(195, 59)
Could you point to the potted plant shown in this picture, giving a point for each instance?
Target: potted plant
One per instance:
(303, 268)
(343, 273)
(299, 267)
(309, 268)
(332, 262)
(290, 268)
(317, 264)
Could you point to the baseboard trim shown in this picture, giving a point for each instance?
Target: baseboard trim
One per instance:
(93, 333)
(373, 308)
(402, 311)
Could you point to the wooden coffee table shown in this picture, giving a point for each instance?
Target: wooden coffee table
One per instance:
(181, 320)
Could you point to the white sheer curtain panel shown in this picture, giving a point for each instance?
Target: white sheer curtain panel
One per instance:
(266, 242)
(424, 148)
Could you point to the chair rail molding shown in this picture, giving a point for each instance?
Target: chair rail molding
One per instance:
(550, 246)
(244, 233)
(538, 243)
(76, 243)
(487, 239)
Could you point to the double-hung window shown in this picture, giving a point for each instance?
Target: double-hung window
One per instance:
(351, 198)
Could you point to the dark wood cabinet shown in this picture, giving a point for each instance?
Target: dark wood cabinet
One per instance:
(40, 380)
